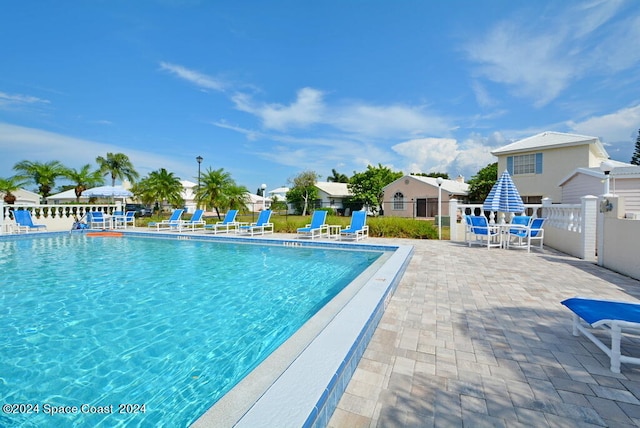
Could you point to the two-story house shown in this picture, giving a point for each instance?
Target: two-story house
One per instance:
(538, 163)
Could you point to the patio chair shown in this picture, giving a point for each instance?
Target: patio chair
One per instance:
(97, 220)
(479, 232)
(194, 222)
(316, 228)
(172, 223)
(24, 221)
(260, 227)
(521, 236)
(227, 224)
(613, 316)
(124, 220)
(358, 228)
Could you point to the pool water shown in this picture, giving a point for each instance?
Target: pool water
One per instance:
(171, 325)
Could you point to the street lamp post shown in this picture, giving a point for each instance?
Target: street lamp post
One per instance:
(606, 167)
(264, 196)
(439, 180)
(199, 160)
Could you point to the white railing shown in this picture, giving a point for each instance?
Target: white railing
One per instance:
(55, 217)
(570, 228)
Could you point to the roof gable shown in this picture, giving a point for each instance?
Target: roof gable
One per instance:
(334, 189)
(454, 187)
(551, 140)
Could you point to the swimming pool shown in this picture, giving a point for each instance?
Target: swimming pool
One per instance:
(80, 310)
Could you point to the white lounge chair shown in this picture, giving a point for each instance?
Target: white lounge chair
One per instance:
(260, 227)
(614, 316)
(358, 228)
(316, 228)
(172, 223)
(194, 222)
(227, 224)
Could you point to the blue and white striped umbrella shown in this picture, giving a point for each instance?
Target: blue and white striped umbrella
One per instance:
(504, 196)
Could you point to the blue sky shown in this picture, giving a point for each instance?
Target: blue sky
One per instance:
(266, 90)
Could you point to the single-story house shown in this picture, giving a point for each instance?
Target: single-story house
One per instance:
(416, 196)
(332, 195)
(66, 197)
(26, 197)
(538, 163)
(624, 181)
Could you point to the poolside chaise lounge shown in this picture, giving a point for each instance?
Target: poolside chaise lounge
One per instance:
(614, 316)
(24, 221)
(227, 224)
(172, 223)
(260, 227)
(316, 228)
(194, 222)
(358, 228)
(478, 231)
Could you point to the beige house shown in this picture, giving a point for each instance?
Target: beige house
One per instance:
(538, 163)
(624, 182)
(415, 196)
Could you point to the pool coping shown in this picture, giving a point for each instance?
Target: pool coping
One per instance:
(307, 392)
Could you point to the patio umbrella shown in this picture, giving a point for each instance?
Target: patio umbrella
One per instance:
(504, 196)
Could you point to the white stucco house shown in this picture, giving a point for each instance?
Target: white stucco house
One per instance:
(538, 163)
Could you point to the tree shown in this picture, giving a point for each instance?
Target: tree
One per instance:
(43, 174)
(219, 191)
(8, 186)
(84, 179)
(117, 165)
(367, 187)
(160, 186)
(432, 174)
(635, 159)
(303, 190)
(480, 184)
(337, 177)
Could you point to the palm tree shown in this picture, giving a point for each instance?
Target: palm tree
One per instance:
(160, 186)
(337, 177)
(84, 179)
(43, 174)
(117, 165)
(8, 186)
(218, 190)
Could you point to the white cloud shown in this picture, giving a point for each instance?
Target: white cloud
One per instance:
(307, 109)
(398, 121)
(539, 59)
(621, 125)
(9, 100)
(195, 77)
(45, 146)
(428, 154)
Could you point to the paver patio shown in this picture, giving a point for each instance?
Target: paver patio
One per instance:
(477, 337)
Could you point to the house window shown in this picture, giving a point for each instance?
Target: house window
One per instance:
(525, 164)
(398, 201)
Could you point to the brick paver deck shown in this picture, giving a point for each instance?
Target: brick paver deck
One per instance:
(477, 337)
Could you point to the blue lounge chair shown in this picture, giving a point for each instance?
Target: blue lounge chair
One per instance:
(358, 228)
(521, 236)
(123, 220)
(613, 316)
(316, 228)
(479, 232)
(172, 223)
(25, 222)
(227, 224)
(260, 227)
(97, 220)
(194, 222)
